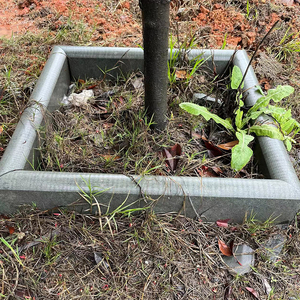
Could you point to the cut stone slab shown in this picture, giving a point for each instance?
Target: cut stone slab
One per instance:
(242, 260)
(273, 246)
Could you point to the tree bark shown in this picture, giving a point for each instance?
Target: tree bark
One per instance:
(155, 15)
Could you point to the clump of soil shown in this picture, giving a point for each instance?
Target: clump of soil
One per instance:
(112, 134)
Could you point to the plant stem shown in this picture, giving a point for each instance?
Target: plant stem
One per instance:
(155, 15)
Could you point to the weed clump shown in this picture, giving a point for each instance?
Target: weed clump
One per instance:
(110, 133)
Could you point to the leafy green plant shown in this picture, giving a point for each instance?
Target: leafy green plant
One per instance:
(280, 124)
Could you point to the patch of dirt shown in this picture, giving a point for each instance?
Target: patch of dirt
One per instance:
(73, 256)
(110, 21)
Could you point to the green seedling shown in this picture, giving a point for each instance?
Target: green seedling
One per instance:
(248, 12)
(248, 9)
(48, 250)
(13, 251)
(288, 45)
(177, 57)
(91, 195)
(280, 124)
(224, 42)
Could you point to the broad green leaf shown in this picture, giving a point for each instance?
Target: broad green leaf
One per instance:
(238, 118)
(261, 102)
(277, 95)
(273, 110)
(197, 110)
(236, 78)
(288, 114)
(283, 117)
(241, 153)
(258, 88)
(288, 144)
(255, 114)
(267, 130)
(288, 126)
(280, 92)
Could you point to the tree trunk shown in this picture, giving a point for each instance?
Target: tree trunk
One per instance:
(155, 15)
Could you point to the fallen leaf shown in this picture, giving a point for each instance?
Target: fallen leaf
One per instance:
(180, 74)
(110, 157)
(11, 230)
(222, 223)
(4, 217)
(217, 170)
(172, 156)
(226, 250)
(213, 151)
(228, 146)
(175, 150)
(253, 292)
(1, 129)
(24, 294)
(267, 286)
(54, 233)
(91, 87)
(206, 172)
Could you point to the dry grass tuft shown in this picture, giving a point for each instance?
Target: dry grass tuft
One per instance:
(69, 256)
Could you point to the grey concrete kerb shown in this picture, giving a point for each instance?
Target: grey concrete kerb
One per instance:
(216, 198)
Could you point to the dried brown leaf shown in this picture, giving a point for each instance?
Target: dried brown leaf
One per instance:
(222, 223)
(180, 74)
(11, 229)
(172, 156)
(213, 151)
(226, 250)
(206, 172)
(217, 170)
(110, 157)
(228, 146)
(253, 292)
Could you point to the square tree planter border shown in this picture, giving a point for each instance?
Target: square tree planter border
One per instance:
(211, 198)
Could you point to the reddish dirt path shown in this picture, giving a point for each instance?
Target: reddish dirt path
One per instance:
(117, 20)
(114, 19)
